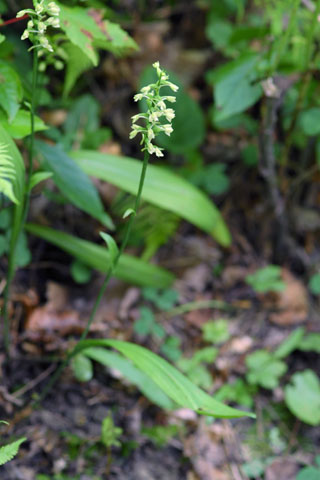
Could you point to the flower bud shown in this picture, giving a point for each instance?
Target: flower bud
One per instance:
(53, 9)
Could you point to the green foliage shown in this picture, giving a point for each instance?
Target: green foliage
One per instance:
(161, 435)
(171, 348)
(216, 331)
(73, 182)
(196, 366)
(110, 433)
(80, 272)
(310, 472)
(10, 90)
(212, 178)
(179, 388)
(264, 369)
(314, 284)
(162, 188)
(302, 397)
(77, 22)
(238, 392)
(145, 383)
(162, 299)
(20, 125)
(9, 451)
(309, 121)
(310, 343)
(129, 269)
(82, 367)
(82, 126)
(267, 279)
(147, 325)
(234, 87)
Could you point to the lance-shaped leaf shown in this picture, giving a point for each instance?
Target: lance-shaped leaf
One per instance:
(178, 387)
(73, 182)
(130, 269)
(161, 187)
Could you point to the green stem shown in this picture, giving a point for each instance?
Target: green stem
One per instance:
(104, 286)
(20, 213)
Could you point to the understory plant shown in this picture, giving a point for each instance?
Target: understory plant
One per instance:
(10, 450)
(163, 380)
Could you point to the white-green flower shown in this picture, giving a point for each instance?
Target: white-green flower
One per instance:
(157, 109)
(42, 17)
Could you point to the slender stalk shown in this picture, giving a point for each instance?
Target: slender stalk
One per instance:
(21, 213)
(104, 286)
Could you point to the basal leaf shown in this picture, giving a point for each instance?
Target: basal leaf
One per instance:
(162, 188)
(129, 269)
(131, 373)
(179, 388)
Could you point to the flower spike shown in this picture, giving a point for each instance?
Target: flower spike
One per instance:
(157, 111)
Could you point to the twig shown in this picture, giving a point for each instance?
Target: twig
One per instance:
(30, 385)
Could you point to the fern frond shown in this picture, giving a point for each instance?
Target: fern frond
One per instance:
(8, 452)
(7, 174)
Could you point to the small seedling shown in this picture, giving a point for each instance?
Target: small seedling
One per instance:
(267, 279)
(216, 331)
(110, 435)
(264, 369)
(195, 367)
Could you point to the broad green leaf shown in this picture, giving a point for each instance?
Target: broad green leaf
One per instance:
(10, 90)
(161, 188)
(129, 269)
(264, 369)
(131, 373)
(266, 279)
(309, 473)
(219, 32)
(291, 343)
(8, 452)
(310, 121)
(20, 127)
(82, 367)
(302, 397)
(112, 246)
(179, 388)
(188, 124)
(116, 39)
(77, 63)
(73, 182)
(86, 29)
(310, 343)
(81, 29)
(234, 87)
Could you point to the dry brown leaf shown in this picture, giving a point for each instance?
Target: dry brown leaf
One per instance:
(292, 302)
(282, 468)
